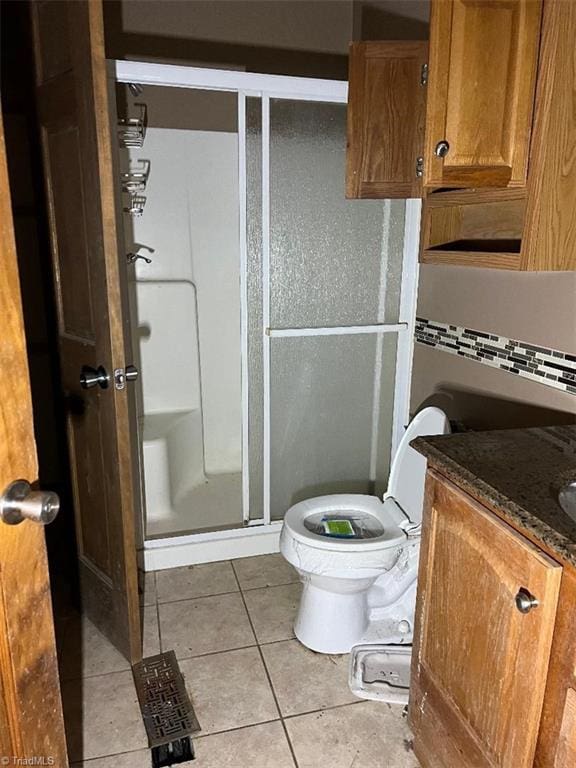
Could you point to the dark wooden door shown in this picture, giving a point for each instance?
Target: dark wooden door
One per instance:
(31, 723)
(91, 297)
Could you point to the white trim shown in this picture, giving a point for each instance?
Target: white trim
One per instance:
(243, 304)
(277, 86)
(266, 302)
(376, 398)
(408, 300)
(177, 551)
(341, 330)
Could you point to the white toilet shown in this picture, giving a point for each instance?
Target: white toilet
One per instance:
(357, 556)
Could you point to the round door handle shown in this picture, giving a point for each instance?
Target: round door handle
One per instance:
(442, 148)
(525, 601)
(92, 377)
(19, 502)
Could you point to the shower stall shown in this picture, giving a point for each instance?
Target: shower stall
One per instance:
(272, 318)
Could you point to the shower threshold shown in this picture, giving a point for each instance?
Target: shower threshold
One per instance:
(253, 538)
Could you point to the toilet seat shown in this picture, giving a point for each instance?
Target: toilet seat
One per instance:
(387, 513)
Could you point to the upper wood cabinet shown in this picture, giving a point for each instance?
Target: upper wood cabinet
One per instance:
(480, 664)
(482, 74)
(472, 93)
(386, 113)
(496, 165)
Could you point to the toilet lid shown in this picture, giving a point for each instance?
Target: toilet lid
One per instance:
(346, 521)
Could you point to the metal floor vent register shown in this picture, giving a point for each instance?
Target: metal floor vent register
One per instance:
(166, 709)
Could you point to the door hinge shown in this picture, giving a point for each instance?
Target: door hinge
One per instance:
(419, 167)
(424, 74)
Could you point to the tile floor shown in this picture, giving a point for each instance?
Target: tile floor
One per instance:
(262, 699)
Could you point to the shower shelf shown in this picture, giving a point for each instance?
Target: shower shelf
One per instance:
(136, 205)
(132, 130)
(135, 179)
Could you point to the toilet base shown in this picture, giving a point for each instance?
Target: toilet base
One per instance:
(336, 614)
(330, 622)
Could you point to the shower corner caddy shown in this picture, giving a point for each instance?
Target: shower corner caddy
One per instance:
(131, 135)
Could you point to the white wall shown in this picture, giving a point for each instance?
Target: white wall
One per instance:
(191, 220)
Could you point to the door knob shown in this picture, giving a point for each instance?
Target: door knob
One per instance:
(525, 601)
(91, 377)
(442, 148)
(19, 502)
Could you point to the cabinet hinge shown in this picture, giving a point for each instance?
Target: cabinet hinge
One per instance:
(419, 167)
(424, 74)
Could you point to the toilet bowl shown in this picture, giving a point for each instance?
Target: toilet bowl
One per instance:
(357, 555)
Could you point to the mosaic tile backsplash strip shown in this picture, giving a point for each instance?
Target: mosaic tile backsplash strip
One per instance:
(545, 366)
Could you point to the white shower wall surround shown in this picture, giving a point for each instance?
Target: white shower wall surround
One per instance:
(187, 306)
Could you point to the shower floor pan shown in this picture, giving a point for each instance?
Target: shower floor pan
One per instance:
(180, 497)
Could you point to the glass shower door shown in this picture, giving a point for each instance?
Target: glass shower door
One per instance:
(333, 278)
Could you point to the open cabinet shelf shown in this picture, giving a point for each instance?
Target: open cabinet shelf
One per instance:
(482, 228)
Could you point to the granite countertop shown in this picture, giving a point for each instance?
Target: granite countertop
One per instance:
(516, 471)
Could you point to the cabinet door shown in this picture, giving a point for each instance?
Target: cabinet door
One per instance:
(386, 113)
(479, 663)
(483, 59)
(557, 739)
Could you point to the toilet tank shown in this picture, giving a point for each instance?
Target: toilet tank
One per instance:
(408, 472)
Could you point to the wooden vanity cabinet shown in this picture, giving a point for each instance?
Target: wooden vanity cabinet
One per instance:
(479, 664)
(557, 739)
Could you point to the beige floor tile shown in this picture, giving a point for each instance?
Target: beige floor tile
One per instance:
(264, 571)
(205, 625)
(150, 632)
(102, 716)
(256, 746)
(273, 610)
(86, 652)
(195, 581)
(139, 759)
(229, 690)
(305, 681)
(363, 735)
(147, 587)
(259, 746)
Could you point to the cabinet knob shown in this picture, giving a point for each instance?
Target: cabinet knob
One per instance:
(442, 148)
(525, 601)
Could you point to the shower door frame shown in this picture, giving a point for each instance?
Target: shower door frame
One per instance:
(261, 535)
